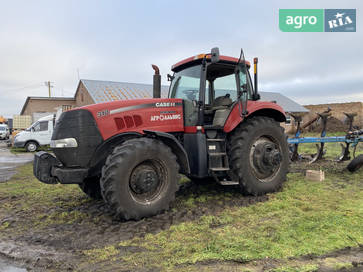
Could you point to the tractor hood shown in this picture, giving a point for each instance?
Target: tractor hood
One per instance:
(161, 114)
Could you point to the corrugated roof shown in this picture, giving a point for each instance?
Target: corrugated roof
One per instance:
(104, 91)
(286, 103)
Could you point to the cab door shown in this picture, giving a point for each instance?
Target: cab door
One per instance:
(42, 132)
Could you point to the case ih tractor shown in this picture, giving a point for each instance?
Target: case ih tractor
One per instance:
(211, 127)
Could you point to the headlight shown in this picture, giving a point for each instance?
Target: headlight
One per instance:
(62, 143)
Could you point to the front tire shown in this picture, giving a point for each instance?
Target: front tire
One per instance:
(259, 155)
(31, 146)
(91, 187)
(356, 163)
(139, 178)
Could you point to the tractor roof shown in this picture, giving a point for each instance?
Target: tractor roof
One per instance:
(198, 59)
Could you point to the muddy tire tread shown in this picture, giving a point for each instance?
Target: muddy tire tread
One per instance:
(109, 178)
(236, 145)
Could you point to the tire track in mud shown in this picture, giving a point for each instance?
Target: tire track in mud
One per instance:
(59, 245)
(107, 230)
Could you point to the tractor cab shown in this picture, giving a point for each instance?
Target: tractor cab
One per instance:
(210, 88)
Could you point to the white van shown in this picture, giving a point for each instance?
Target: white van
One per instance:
(4, 132)
(37, 134)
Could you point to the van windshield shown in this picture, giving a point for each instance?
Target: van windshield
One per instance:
(2, 128)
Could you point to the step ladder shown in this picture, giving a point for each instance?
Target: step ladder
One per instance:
(218, 160)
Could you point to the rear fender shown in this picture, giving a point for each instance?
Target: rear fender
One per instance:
(175, 146)
(254, 108)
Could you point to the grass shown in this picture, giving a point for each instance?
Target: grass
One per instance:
(40, 204)
(16, 150)
(304, 268)
(305, 218)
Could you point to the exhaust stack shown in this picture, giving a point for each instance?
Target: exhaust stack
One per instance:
(256, 95)
(156, 82)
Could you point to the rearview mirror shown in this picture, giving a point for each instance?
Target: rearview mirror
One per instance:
(215, 54)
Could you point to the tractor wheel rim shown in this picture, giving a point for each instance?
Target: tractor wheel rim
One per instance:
(147, 180)
(265, 158)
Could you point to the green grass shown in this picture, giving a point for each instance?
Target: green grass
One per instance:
(305, 218)
(38, 204)
(304, 268)
(16, 150)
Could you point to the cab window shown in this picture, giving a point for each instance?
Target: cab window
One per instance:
(223, 80)
(44, 126)
(40, 126)
(36, 127)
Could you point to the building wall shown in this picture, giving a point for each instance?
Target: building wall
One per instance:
(337, 111)
(42, 105)
(83, 98)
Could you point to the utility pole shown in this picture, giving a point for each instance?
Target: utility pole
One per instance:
(48, 84)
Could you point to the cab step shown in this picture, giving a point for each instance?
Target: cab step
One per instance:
(215, 140)
(228, 182)
(218, 154)
(219, 168)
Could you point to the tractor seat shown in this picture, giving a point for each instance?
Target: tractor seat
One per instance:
(221, 102)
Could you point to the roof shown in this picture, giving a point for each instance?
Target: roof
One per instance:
(47, 118)
(44, 98)
(198, 58)
(286, 103)
(104, 91)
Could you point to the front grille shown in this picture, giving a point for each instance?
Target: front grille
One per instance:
(78, 124)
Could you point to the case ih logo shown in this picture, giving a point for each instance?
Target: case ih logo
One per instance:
(317, 20)
(165, 104)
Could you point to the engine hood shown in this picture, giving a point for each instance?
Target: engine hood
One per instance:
(160, 114)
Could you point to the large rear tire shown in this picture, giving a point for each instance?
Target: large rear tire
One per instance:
(259, 155)
(140, 178)
(91, 187)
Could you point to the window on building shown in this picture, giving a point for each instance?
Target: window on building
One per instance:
(82, 98)
(66, 107)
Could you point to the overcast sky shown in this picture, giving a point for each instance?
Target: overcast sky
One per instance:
(118, 40)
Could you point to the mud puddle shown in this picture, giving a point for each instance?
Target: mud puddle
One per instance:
(9, 161)
(5, 266)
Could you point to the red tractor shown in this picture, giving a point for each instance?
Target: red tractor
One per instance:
(212, 126)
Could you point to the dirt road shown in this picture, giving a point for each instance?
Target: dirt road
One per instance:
(6, 267)
(8, 163)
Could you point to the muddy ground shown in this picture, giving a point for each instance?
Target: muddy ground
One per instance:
(9, 161)
(57, 247)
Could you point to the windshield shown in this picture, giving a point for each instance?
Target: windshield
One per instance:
(2, 129)
(186, 84)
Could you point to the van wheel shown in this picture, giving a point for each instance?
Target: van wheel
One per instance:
(31, 146)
